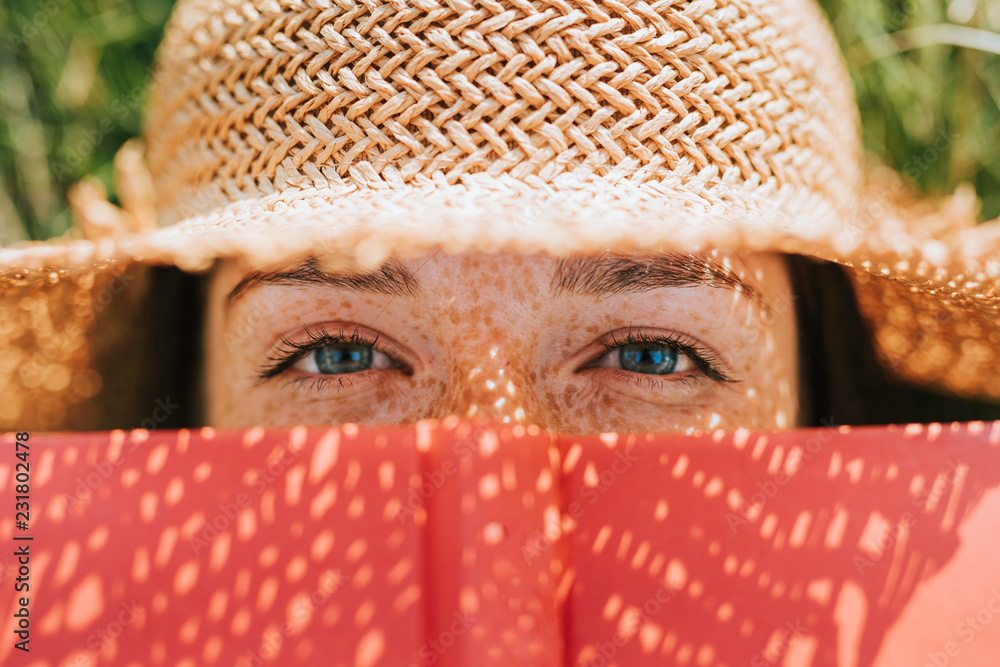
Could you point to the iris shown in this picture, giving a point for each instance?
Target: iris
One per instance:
(343, 358)
(650, 358)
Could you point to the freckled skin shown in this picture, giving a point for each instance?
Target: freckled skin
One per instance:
(486, 335)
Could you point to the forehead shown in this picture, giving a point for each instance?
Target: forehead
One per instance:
(600, 275)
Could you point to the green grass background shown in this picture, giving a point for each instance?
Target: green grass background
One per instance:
(74, 76)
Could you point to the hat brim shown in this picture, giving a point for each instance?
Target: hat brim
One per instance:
(926, 276)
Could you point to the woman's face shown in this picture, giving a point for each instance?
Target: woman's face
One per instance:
(587, 344)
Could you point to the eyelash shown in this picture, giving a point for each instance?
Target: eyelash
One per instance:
(705, 359)
(288, 352)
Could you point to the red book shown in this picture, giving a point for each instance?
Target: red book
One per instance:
(458, 543)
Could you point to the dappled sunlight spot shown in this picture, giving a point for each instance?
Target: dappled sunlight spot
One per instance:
(42, 471)
(158, 652)
(241, 622)
(769, 526)
(494, 533)
(676, 575)
(612, 607)
(189, 631)
(246, 524)
(489, 486)
(697, 478)
(714, 487)
(623, 545)
(321, 545)
(855, 469)
(778, 590)
(640, 555)
(680, 466)
(801, 650)
(217, 605)
(268, 499)
(399, 571)
(267, 557)
(211, 650)
(386, 475)
(193, 525)
(820, 590)
(685, 653)
(147, 506)
(98, 538)
(294, 480)
(873, 532)
(174, 491)
(364, 613)
(130, 476)
(299, 613)
(370, 649)
(160, 602)
(140, 565)
(356, 508)
(601, 540)
(56, 509)
(202, 471)
(837, 528)
(51, 622)
(954, 499)
(850, 614)
(356, 550)
(353, 475)
(488, 443)
(323, 501)
(219, 553)
(776, 461)
(572, 458)
(66, 566)
(267, 593)
(331, 615)
(650, 636)
(85, 603)
(544, 482)
(296, 569)
(252, 436)
(800, 531)
(157, 458)
(186, 578)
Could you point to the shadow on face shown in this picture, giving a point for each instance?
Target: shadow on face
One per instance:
(584, 344)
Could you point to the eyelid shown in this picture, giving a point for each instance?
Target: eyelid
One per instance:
(287, 350)
(706, 358)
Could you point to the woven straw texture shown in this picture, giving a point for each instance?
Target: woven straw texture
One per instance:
(379, 128)
(699, 96)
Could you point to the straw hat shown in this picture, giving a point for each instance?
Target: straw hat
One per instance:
(376, 127)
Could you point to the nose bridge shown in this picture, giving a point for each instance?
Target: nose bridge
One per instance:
(490, 384)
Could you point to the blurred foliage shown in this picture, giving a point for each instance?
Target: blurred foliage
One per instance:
(73, 81)
(74, 74)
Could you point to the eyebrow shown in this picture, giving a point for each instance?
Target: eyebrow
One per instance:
(615, 275)
(602, 276)
(392, 279)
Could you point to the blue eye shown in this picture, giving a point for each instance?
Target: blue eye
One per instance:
(650, 358)
(659, 356)
(342, 358)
